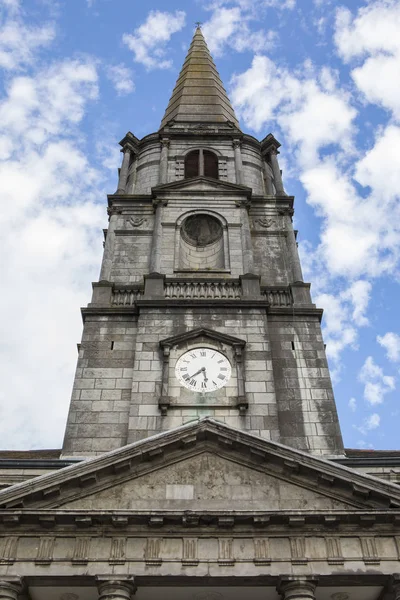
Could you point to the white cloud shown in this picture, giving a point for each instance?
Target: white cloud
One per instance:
(379, 168)
(229, 28)
(50, 227)
(359, 295)
(310, 109)
(391, 342)
(375, 28)
(12, 5)
(353, 404)
(338, 330)
(254, 6)
(376, 383)
(18, 41)
(373, 421)
(121, 78)
(63, 88)
(370, 423)
(343, 312)
(372, 35)
(316, 117)
(149, 40)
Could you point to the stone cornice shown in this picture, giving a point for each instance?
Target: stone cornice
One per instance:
(267, 522)
(204, 303)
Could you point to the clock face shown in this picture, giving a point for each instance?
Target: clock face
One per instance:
(203, 370)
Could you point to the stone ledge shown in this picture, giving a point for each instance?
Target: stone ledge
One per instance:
(274, 523)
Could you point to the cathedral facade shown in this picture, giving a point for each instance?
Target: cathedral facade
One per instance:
(202, 458)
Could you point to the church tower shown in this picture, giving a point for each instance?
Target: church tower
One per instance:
(202, 458)
(201, 309)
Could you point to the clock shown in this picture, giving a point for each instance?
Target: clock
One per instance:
(203, 370)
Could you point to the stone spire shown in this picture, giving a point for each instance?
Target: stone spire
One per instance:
(199, 94)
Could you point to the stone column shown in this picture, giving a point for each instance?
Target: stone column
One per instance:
(268, 181)
(277, 173)
(115, 589)
(10, 588)
(123, 174)
(297, 588)
(156, 245)
(293, 253)
(248, 262)
(396, 586)
(130, 189)
(201, 162)
(238, 161)
(105, 272)
(163, 176)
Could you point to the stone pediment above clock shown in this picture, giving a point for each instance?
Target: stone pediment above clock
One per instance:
(202, 332)
(201, 184)
(205, 466)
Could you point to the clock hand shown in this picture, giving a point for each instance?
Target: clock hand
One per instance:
(205, 374)
(197, 372)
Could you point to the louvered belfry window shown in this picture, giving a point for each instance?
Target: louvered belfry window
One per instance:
(192, 164)
(201, 162)
(210, 164)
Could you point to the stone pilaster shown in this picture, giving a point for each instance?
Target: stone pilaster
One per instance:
(163, 176)
(238, 161)
(130, 188)
(123, 174)
(155, 259)
(115, 589)
(277, 173)
(105, 272)
(297, 588)
(269, 190)
(293, 253)
(10, 588)
(248, 260)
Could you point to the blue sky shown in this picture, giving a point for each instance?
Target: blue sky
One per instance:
(322, 76)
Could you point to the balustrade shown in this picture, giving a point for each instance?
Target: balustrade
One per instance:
(278, 297)
(204, 290)
(220, 290)
(125, 297)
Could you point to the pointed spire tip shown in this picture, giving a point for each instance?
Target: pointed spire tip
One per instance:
(199, 95)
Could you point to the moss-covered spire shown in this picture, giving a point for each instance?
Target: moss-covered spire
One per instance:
(199, 95)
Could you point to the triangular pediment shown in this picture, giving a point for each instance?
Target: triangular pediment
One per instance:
(206, 480)
(202, 332)
(201, 184)
(204, 465)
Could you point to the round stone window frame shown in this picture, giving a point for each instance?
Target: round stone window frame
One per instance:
(178, 236)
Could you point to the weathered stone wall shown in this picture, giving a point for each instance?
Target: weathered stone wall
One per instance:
(155, 325)
(306, 408)
(101, 396)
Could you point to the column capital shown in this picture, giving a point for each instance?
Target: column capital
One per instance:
(271, 147)
(127, 148)
(243, 203)
(297, 588)
(159, 202)
(286, 211)
(10, 587)
(114, 210)
(165, 142)
(115, 588)
(237, 143)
